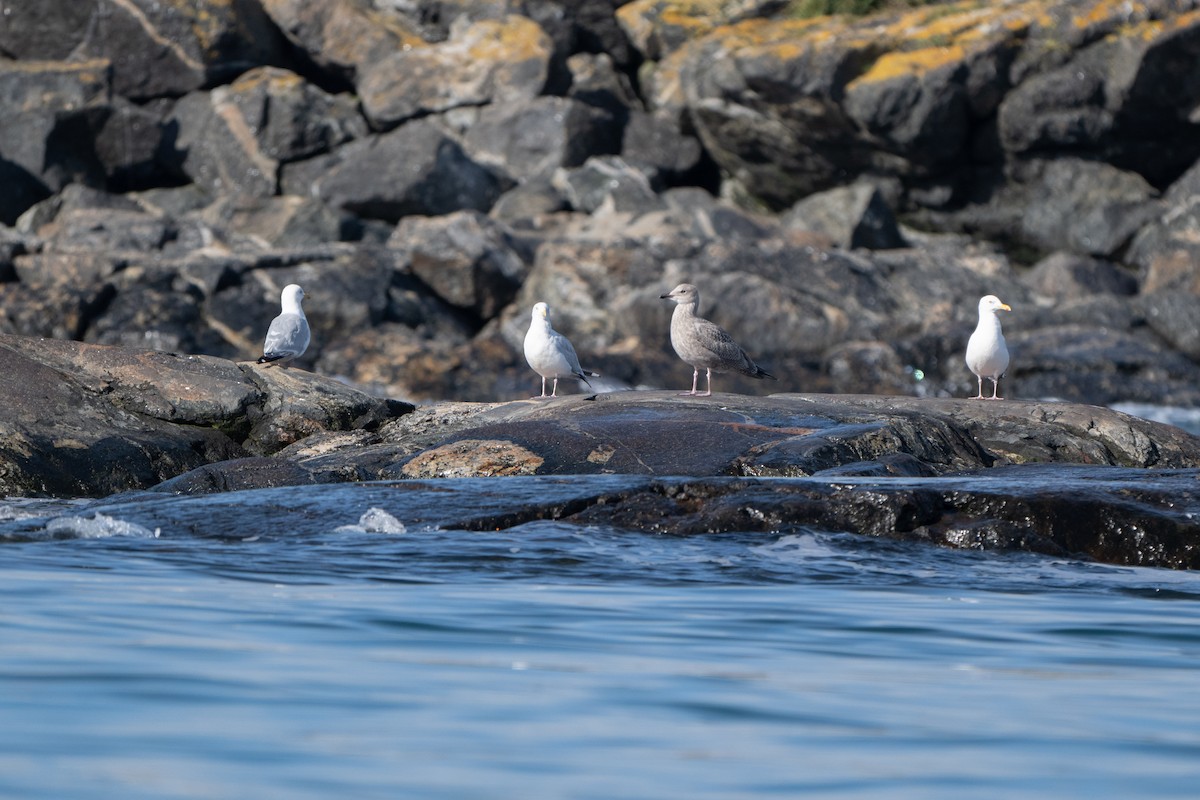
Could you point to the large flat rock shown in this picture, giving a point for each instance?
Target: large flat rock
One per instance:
(661, 433)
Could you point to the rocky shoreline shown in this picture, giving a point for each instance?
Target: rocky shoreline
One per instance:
(1060, 478)
(842, 190)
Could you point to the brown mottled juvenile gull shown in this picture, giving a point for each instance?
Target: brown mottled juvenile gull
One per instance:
(288, 336)
(705, 345)
(987, 354)
(549, 353)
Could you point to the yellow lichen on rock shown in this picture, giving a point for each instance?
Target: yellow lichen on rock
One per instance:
(1151, 29)
(911, 62)
(1108, 11)
(473, 458)
(511, 39)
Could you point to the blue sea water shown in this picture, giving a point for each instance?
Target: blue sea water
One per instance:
(338, 642)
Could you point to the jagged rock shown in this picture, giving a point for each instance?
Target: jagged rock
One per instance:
(465, 258)
(1170, 243)
(790, 107)
(1066, 277)
(128, 142)
(1083, 206)
(489, 61)
(1176, 318)
(278, 222)
(1089, 363)
(1111, 99)
(526, 204)
(53, 97)
(657, 147)
(851, 216)
(56, 294)
(596, 81)
(713, 219)
(48, 31)
(290, 118)
(607, 180)
(530, 138)
(342, 37)
(415, 169)
(233, 139)
(219, 151)
(156, 48)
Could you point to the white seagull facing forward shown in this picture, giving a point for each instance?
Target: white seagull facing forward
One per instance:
(288, 336)
(987, 354)
(550, 354)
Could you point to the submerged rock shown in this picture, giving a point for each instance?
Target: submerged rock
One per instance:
(1110, 514)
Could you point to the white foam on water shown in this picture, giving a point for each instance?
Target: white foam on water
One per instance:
(10, 513)
(99, 526)
(1186, 418)
(375, 520)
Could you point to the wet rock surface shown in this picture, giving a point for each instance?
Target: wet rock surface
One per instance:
(1108, 514)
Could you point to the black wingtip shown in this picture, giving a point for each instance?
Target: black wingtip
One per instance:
(268, 358)
(762, 373)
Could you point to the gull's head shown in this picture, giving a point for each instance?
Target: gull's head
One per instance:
(991, 304)
(683, 294)
(541, 311)
(292, 295)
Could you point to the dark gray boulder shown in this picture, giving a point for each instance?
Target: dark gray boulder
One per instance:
(215, 150)
(656, 146)
(1083, 206)
(531, 138)
(1066, 277)
(607, 181)
(156, 49)
(416, 169)
(464, 258)
(482, 62)
(54, 97)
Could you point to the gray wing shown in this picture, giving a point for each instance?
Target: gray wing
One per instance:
(714, 339)
(563, 345)
(287, 336)
(568, 350)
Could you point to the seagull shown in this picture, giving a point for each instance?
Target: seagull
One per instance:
(705, 345)
(288, 336)
(987, 354)
(550, 354)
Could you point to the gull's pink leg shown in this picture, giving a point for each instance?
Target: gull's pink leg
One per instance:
(695, 377)
(708, 383)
